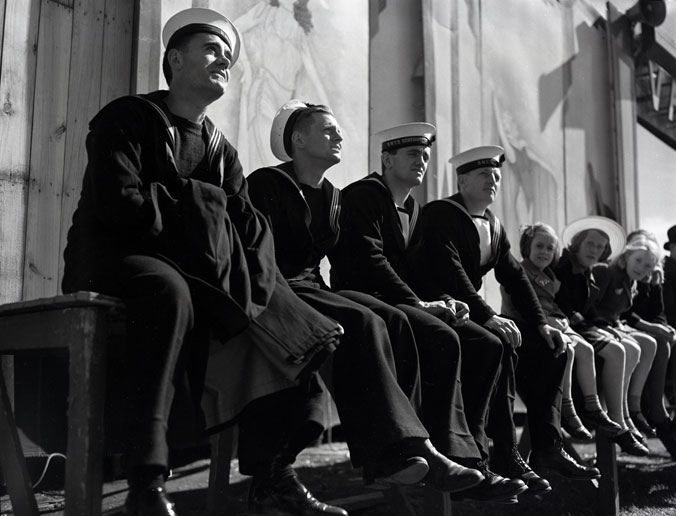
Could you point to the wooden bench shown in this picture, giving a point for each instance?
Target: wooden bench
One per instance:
(83, 324)
(607, 487)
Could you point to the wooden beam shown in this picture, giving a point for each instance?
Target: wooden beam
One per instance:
(84, 97)
(17, 82)
(147, 46)
(117, 50)
(47, 152)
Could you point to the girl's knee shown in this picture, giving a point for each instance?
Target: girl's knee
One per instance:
(632, 350)
(583, 350)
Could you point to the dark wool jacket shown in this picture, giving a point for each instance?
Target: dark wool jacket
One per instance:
(578, 292)
(669, 290)
(450, 261)
(648, 304)
(372, 255)
(616, 293)
(276, 192)
(134, 201)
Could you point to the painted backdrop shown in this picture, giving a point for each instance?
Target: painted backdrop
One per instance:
(315, 50)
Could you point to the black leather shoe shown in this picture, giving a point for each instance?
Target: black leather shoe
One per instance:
(600, 421)
(446, 475)
(575, 428)
(666, 432)
(385, 473)
(512, 465)
(556, 460)
(642, 424)
(149, 502)
(290, 496)
(629, 444)
(493, 488)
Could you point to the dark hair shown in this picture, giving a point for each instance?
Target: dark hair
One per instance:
(529, 232)
(301, 121)
(180, 44)
(579, 237)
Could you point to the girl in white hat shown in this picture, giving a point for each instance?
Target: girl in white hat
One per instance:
(590, 241)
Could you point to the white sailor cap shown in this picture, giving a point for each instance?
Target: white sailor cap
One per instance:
(490, 156)
(198, 19)
(406, 135)
(616, 234)
(284, 122)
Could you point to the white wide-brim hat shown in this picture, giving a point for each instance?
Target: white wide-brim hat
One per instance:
(198, 19)
(616, 234)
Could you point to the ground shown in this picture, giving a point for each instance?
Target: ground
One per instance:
(647, 488)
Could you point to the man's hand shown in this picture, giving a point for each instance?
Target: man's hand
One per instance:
(461, 311)
(432, 304)
(556, 340)
(506, 330)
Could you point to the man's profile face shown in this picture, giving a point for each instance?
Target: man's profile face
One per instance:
(480, 185)
(407, 166)
(203, 64)
(323, 139)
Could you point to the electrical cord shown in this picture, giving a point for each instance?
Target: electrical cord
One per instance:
(44, 470)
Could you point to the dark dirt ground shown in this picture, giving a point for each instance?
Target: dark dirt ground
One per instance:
(647, 488)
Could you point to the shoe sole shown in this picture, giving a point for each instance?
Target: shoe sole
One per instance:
(537, 492)
(547, 471)
(459, 485)
(509, 500)
(410, 475)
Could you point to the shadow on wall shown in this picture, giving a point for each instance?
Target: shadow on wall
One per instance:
(594, 196)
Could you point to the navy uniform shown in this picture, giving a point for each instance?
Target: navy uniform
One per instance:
(459, 247)
(378, 252)
(164, 222)
(380, 422)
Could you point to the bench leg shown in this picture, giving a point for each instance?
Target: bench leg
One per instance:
(608, 493)
(84, 466)
(222, 445)
(18, 481)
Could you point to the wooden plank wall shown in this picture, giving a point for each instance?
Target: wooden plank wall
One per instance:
(61, 61)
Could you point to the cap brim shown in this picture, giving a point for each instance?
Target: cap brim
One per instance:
(615, 232)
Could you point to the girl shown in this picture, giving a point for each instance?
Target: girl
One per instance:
(539, 249)
(617, 288)
(647, 315)
(590, 243)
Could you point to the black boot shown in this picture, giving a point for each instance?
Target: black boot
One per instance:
(291, 496)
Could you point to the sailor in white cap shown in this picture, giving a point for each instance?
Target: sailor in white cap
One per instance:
(462, 241)
(165, 223)
(383, 432)
(378, 255)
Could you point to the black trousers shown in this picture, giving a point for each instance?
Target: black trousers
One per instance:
(274, 429)
(444, 407)
(539, 380)
(374, 411)
(160, 356)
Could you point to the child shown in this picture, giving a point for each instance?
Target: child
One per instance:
(540, 248)
(647, 315)
(589, 242)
